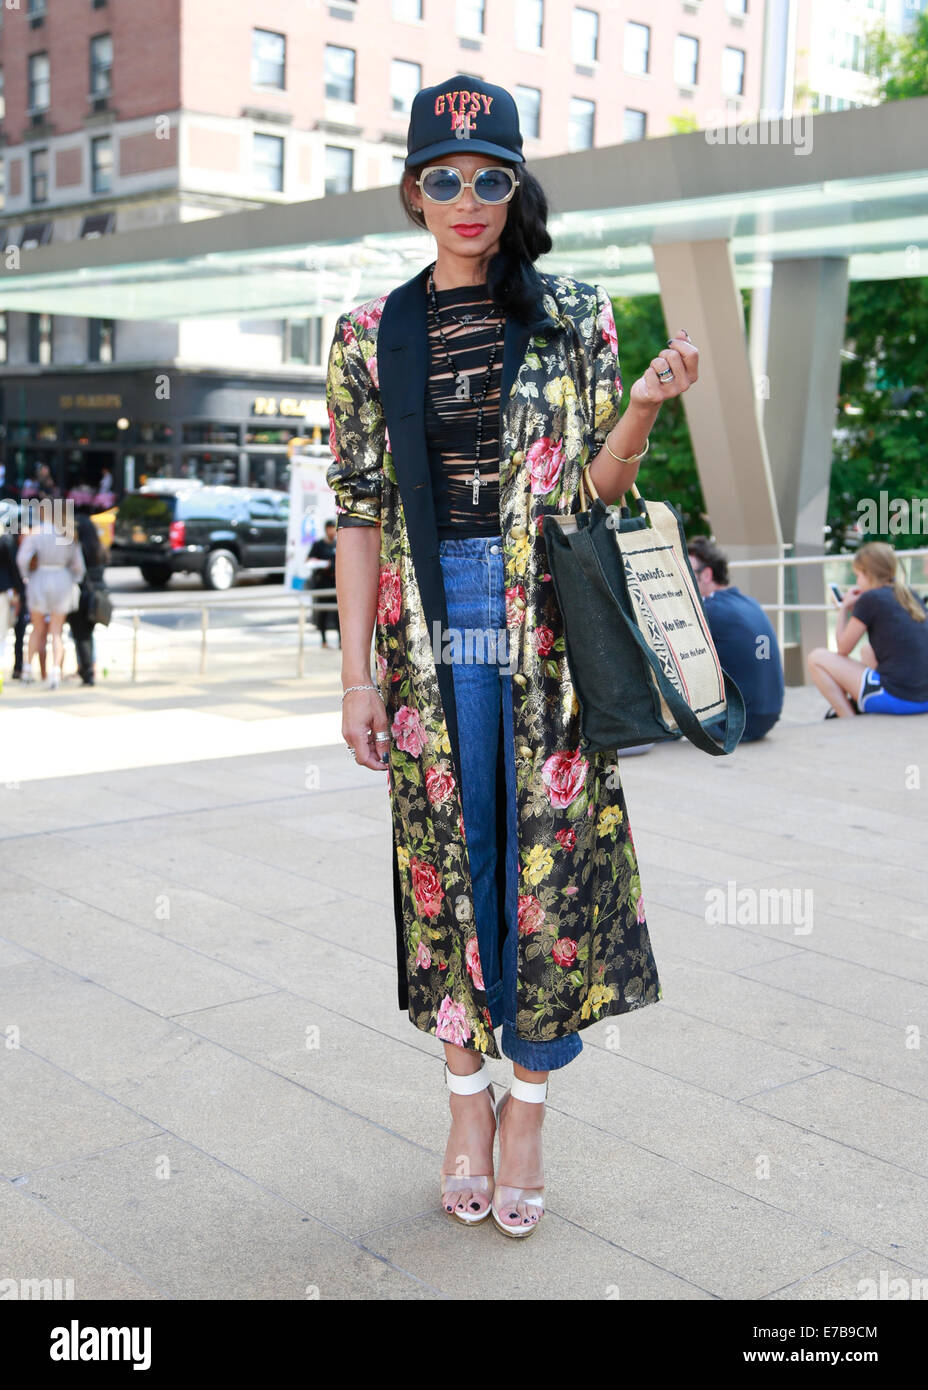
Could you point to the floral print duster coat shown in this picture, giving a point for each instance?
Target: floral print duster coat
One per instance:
(584, 949)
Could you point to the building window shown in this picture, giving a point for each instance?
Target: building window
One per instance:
(405, 81)
(302, 341)
(40, 338)
(101, 65)
(471, 18)
(733, 72)
(407, 9)
(528, 102)
(38, 176)
(3, 338)
(39, 94)
(101, 340)
(36, 9)
(339, 169)
(35, 234)
(736, 6)
(398, 166)
(98, 224)
(580, 132)
(634, 124)
(268, 59)
(339, 73)
(685, 60)
(585, 35)
(267, 162)
(530, 17)
(101, 164)
(637, 47)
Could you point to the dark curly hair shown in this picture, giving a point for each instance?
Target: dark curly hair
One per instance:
(512, 280)
(710, 555)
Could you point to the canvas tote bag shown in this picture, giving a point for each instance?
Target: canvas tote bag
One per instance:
(638, 647)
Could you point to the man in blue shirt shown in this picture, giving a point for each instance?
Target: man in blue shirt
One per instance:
(744, 639)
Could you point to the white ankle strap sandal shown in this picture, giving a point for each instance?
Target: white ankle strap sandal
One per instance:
(505, 1199)
(454, 1186)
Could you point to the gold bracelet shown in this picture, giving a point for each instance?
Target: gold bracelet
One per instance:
(632, 457)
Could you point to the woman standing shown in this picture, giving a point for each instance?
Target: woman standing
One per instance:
(462, 408)
(52, 564)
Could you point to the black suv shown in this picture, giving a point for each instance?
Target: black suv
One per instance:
(210, 531)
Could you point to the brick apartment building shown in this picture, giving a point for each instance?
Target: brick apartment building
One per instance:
(116, 115)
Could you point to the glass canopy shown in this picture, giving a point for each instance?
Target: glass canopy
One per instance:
(879, 223)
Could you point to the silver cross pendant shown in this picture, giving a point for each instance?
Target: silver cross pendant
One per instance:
(478, 482)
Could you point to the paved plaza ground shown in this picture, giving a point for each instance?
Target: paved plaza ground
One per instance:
(209, 1092)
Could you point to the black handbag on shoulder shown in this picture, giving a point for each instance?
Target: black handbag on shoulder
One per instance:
(96, 602)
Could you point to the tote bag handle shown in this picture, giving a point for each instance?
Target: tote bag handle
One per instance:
(588, 489)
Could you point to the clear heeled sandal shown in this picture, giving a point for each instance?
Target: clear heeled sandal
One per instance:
(505, 1198)
(478, 1184)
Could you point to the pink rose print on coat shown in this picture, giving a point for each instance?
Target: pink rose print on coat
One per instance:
(564, 952)
(370, 313)
(389, 597)
(452, 1022)
(348, 333)
(426, 887)
(567, 839)
(372, 368)
(515, 606)
(640, 911)
(543, 640)
(606, 323)
(531, 914)
(461, 829)
(408, 731)
(381, 667)
(564, 774)
(423, 956)
(439, 783)
(386, 440)
(544, 461)
(472, 961)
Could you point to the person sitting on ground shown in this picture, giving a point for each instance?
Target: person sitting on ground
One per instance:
(891, 676)
(744, 638)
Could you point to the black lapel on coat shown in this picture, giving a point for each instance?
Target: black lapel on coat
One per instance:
(402, 366)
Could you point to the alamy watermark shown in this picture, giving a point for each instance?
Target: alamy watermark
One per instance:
(39, 511)
(767, 128)
(896, 516)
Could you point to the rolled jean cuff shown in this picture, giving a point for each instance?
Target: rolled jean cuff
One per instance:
(547, 1056)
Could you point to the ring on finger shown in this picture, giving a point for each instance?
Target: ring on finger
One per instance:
(666, 374)
(382, 738)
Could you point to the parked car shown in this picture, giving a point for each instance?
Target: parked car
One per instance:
(195, 529)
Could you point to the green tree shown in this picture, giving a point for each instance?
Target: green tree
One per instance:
(900, 61)
(881, 428)
(668, 470)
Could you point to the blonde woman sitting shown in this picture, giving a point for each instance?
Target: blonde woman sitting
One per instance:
(891, 676)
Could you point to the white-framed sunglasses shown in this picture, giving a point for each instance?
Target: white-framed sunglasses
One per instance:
(443, 183)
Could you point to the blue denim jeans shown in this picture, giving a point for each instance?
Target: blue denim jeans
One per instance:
(475, 592)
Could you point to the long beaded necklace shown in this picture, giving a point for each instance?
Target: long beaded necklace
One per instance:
(462, 382)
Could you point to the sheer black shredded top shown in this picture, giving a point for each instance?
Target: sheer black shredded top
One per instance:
(451, 424)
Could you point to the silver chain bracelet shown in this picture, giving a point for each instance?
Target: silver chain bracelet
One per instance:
(360, 687)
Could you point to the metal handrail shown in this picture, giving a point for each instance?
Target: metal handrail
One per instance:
(303, 598)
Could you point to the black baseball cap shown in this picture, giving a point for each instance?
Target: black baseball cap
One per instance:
(463, 115)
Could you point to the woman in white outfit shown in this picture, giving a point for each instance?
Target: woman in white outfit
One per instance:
(52, 564)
